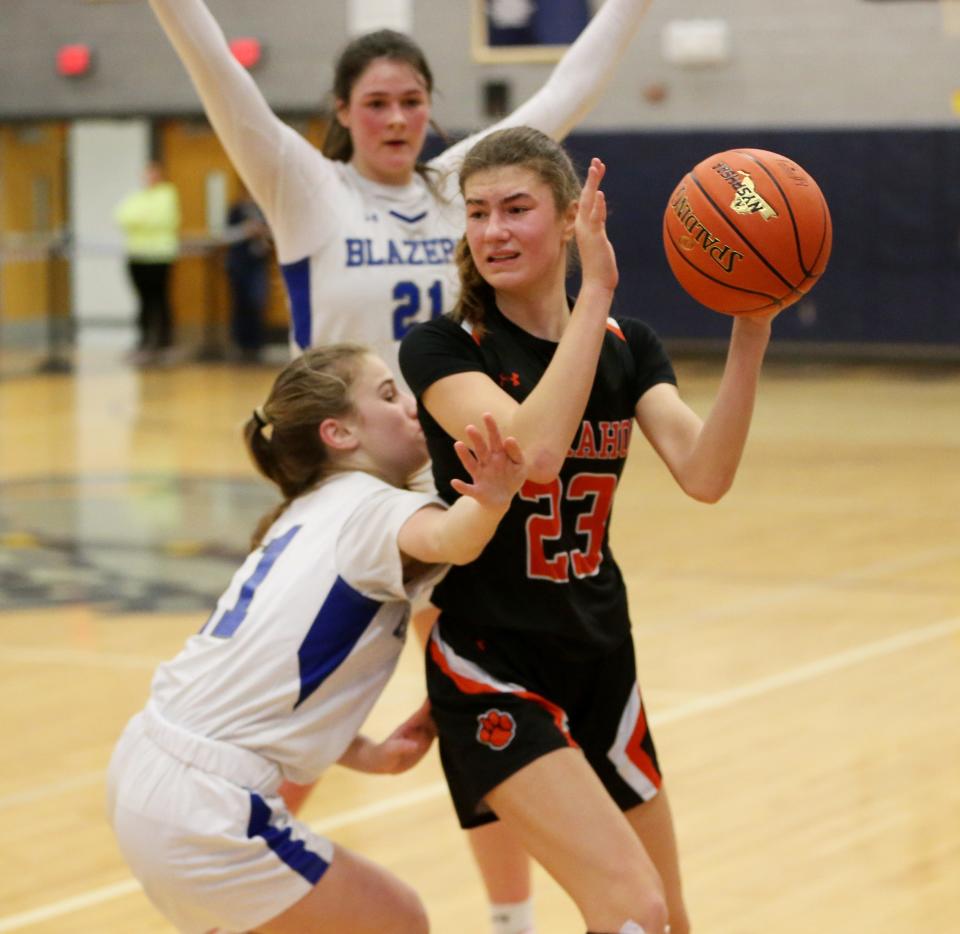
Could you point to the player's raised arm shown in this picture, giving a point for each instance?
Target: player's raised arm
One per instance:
(575, 85)
(258, 143)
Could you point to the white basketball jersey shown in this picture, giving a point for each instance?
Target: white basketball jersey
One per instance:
(307, 634)
(385, 262)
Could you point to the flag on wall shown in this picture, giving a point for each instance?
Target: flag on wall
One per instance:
(535, 22)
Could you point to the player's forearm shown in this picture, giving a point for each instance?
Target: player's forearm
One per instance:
(357, 755)
(713, 464)
(464, 530)
(547, 420)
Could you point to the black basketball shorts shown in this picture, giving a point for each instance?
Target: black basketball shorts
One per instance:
(502, 700)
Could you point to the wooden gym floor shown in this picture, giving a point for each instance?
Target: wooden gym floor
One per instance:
(798, 647)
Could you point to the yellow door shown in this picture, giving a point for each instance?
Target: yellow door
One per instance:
(32, 218)
(191, 155)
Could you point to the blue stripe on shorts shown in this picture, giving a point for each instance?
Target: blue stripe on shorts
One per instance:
(293, 852)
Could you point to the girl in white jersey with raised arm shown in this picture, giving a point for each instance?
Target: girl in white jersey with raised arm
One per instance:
(282, 675)
(365, 234)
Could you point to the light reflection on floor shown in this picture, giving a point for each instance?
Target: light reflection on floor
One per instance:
(158, 542)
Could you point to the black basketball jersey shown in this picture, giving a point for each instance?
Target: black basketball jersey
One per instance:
(548, 569)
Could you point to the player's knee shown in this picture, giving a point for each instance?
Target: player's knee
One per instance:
(652, 913)
(652, 920)
(633, 891)
(412, 915)
(645, 901)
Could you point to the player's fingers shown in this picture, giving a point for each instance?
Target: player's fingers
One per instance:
(599, 215)
(601, 169)
(590, 186)
(511, 447)
(493, 432)
(594, 176)
(477, 442)
(466, 457)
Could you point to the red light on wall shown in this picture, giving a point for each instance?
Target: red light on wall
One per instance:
(74, 60)
(246, 50)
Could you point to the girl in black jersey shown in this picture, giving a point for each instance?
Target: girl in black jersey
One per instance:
(531, 666)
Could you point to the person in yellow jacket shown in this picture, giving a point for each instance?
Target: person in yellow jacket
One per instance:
(150, 219)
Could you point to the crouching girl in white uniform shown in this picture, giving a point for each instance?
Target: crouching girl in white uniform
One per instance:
(282, 675)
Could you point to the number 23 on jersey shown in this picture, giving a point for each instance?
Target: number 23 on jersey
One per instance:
(595, 492)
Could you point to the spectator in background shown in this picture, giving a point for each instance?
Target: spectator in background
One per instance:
(150, 219)
(248, 257)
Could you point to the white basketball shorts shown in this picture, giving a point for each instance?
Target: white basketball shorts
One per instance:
(203, 829)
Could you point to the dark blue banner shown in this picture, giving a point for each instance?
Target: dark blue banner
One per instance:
(535, 22)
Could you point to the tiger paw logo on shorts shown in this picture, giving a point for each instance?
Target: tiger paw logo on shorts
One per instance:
(497, 729)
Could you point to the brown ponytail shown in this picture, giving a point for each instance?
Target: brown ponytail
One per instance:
(475, 291)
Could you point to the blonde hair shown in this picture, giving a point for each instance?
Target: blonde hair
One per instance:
(526, 148)
(282, 436)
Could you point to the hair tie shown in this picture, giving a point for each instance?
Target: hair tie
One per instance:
(260, 417)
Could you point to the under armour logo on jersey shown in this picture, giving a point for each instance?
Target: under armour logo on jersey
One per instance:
(510, 379)
(373, 216)
(496, 729)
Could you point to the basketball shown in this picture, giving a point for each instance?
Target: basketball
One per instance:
(747, 231)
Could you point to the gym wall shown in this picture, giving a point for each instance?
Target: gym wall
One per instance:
(861, 93)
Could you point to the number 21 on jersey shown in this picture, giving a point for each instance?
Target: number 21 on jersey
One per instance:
(595, 491)
(409, 298)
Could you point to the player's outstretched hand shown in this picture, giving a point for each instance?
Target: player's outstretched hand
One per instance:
(598, 262)
(495, 464)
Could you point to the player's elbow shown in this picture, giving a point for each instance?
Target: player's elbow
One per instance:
(465, 556)
(709, 491)
(544, 464)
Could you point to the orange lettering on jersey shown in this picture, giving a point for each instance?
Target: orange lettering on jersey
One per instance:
(587, 446)
(610, 432)
(626, 427)
(613, 443)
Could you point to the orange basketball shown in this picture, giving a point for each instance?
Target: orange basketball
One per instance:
(747, 231)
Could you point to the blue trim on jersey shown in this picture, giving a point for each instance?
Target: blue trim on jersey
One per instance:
(409, 220)
(234, 617)
(297, 278)
(292, 852)
(338, 626)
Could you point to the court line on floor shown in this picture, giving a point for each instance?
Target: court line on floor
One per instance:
(777, 596)
(88, 657)
(708, 704)
(51, 789)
